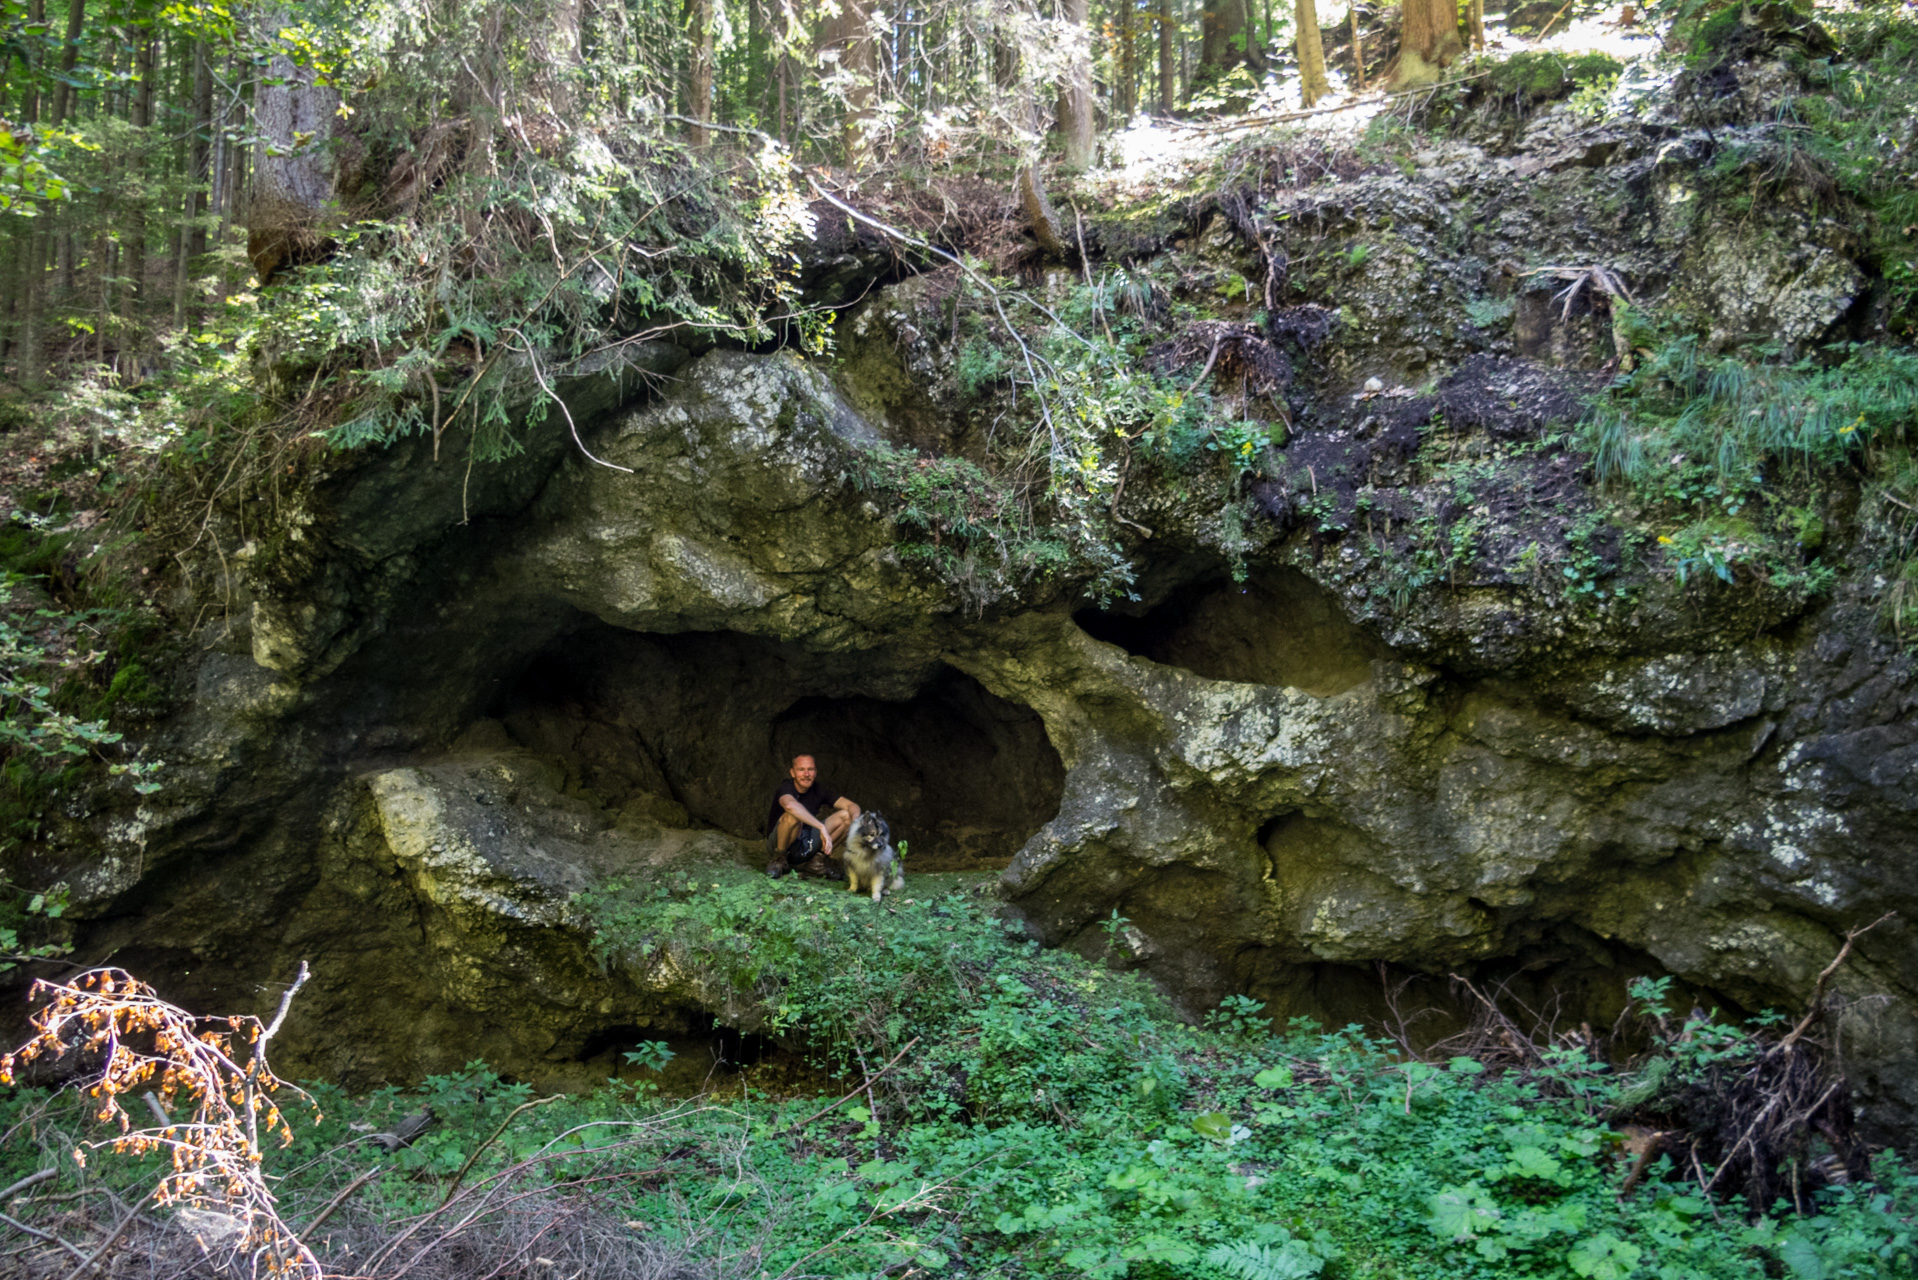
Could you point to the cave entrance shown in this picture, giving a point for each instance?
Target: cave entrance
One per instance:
(697, 729)
(1278, 628)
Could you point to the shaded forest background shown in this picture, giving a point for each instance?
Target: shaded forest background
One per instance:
(161, 160)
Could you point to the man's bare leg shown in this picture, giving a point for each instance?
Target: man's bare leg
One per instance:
(784, 832)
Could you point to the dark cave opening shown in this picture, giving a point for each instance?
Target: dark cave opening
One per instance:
(704, 1055)
(1277, 628)
(696, 729)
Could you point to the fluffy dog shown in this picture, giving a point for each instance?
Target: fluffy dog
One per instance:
(870, 857)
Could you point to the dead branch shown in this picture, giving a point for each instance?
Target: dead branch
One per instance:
(31, 1180)
(511, 1116)
(332, 1206)
(113, 1237)
(856, 1092)
(1818, 987)
(215, 1151)
(1039, 213)
(403, 1133)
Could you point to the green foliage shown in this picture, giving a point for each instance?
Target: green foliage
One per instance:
(652, 1055)
(1052, 1119)
(29, 924)
(1724, 444)
(53, 714)
(970, 529)
(1490, 314)
(34, 733)
(1239, 1016)
(1681, 408)
(1865, 102)
(1075, 411)
(26, 176)
(1541, 75)
(1290, 1258)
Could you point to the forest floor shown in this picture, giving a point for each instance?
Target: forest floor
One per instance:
(973, 1105)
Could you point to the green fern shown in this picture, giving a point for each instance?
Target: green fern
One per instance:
(1292, 1260)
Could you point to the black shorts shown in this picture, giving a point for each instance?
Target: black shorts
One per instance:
(805, 844)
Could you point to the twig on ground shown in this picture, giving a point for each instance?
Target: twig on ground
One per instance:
(38, 1234)
(511, 1116)
(320, 1218)
(113, 1238)
(31, 1180)
(856, 1092)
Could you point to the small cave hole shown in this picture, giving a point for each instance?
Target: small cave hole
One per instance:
(1278, 628)
(696, 730)
(706, 1054)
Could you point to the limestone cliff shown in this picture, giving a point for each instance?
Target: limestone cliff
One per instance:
(444, 702)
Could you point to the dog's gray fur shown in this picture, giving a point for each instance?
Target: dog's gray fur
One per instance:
(870, 857)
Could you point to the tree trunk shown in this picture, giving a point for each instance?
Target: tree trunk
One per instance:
(293, 178)
(1040, 218)
(1227, 41)
(43, 243)
(1168, 66)
(1475, 22)
(1312, 84)
(1076, 125)
(30, 95)
(1428, 41)
(849, 35)
(699, 71)
(563, 54)
(30, 356)
(198, 178)
(140, 116)
(1358, 43)
(1126, 97)
(22, 242)
(789, 36)
(69, 58)
(759, 69)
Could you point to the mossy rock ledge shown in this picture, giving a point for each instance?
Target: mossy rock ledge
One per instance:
(444, 704)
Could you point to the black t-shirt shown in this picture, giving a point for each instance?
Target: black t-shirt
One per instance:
(817, 800)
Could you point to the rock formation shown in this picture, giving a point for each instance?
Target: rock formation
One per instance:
(441, 702)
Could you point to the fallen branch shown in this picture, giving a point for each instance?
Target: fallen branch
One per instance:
(856, 1092)
(320, 1218)
(31, 1180)
(510, 1117)
(34, 1180)
(1818, 987)
(113, 1237)
(1252, 122)
(50, 1238)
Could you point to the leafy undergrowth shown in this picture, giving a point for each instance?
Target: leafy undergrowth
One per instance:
(1011, 1111)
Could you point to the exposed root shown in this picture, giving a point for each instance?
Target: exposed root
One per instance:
(1237, 355)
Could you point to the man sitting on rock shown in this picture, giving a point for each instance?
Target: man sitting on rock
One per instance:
(806, 817)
